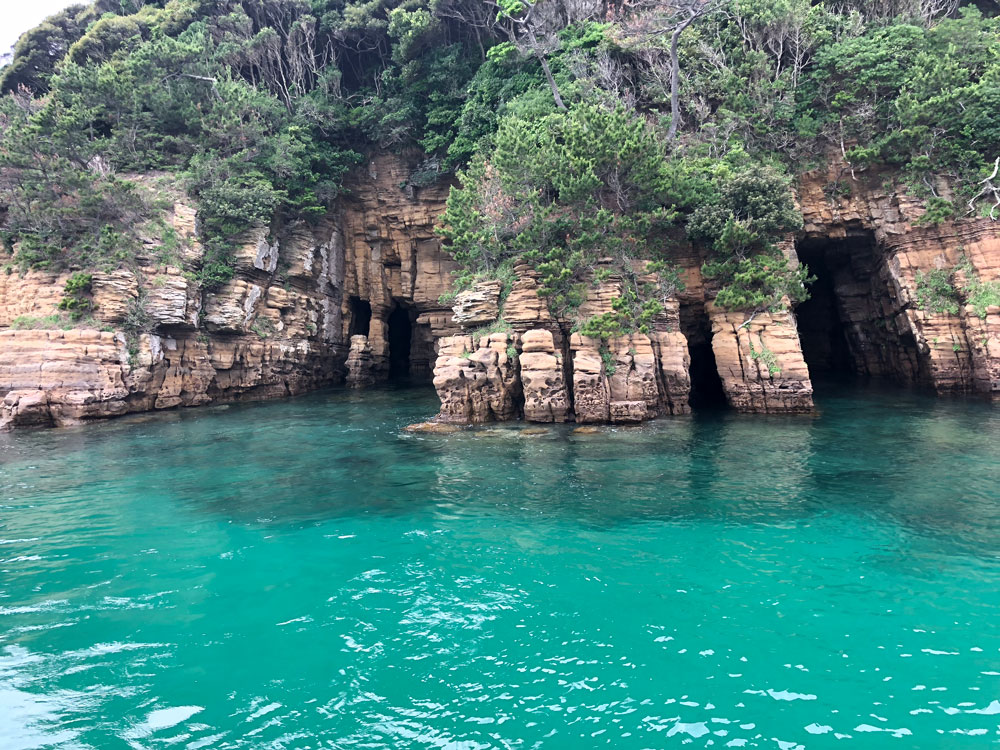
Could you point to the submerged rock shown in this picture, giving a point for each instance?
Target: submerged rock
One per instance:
(534, 431)
(434, 428)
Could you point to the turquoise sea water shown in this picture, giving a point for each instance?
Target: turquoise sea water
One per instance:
(303, 575)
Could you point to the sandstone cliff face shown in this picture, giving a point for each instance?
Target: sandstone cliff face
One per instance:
(876, 244)
(760, 362)
(274, 330)
(286, 323)
(550, 374)
(395, 270)
(867, 246)
(360, 294)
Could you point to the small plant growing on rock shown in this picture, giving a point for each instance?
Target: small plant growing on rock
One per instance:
(263, 327)
(137, 322)
(983, 295)
(76, 298)
(766, 357)
(609, 361)
(498, 326)
(936, 292)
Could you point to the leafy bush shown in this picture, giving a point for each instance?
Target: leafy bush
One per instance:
(936, 292)
(563, 193)
(750, 211)
(76, 298)
(629, 313)
(760, 282)
(983, 295)
(260, 108)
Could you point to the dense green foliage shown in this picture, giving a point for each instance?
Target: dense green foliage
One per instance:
(560, 126)
(946, 290)
(563, 192)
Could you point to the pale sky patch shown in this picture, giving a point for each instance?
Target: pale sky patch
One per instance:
(17, 16)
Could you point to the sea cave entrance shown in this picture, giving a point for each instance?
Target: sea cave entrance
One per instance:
(361, 317)
(850, 324)
(706, 384)
(400, 337)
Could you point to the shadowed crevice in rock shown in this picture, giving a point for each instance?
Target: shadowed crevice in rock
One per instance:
(706, 385)
(361, 316)
(854, 323)
(400, 336)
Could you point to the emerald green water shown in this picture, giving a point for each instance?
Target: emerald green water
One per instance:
(303, 575)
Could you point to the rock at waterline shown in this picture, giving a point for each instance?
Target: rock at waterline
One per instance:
(434, 428)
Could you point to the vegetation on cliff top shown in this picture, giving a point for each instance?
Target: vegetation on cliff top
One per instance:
(589, 135)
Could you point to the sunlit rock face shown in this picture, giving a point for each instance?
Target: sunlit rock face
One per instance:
(155, 339)
(283, 325)
(868, 247)
(363, 295)
(555, 375)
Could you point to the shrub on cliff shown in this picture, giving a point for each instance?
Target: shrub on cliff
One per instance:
(260, 107)
(562, 193)
(751, 210)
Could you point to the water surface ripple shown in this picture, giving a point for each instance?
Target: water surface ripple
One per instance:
(304, 575)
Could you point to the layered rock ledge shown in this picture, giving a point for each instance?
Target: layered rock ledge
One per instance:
(357, 297)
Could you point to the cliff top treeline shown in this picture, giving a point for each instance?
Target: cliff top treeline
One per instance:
(582, 130)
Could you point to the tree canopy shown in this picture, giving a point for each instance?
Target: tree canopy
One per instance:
(583, 129)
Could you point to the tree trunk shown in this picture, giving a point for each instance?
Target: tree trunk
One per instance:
(545, 67)
(675, 79)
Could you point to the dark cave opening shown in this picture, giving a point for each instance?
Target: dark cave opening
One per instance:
(706, 384)
(400, 337)
(852, 323)
(361, 317)
(821, 328)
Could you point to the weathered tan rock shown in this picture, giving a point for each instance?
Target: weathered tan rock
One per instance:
(34, 294)
(25, 409)
(524, 309)
(888, 335)
(393, 257)
(73, 374)
(477, 381)
(114, 293)
(88, 374)
(543, 378)
(674, 377)
(630, 379)
(760, 362)
(263, 337)
(477, 306)
(231, 309)
(360, 364)
(433, 428)
(634, 388)
(281, 325)
(171, 299)
(591, 393)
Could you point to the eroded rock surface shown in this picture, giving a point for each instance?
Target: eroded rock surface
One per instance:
(259, 336)
(311, 302)
(760, 362)
(543, 378)
(477, 380)
(554, 376)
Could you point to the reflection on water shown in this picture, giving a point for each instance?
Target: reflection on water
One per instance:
(304, 574)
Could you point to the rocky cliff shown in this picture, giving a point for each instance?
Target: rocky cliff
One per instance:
(540, 370)
(868, 245)
(356, 296)
(155, 339)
